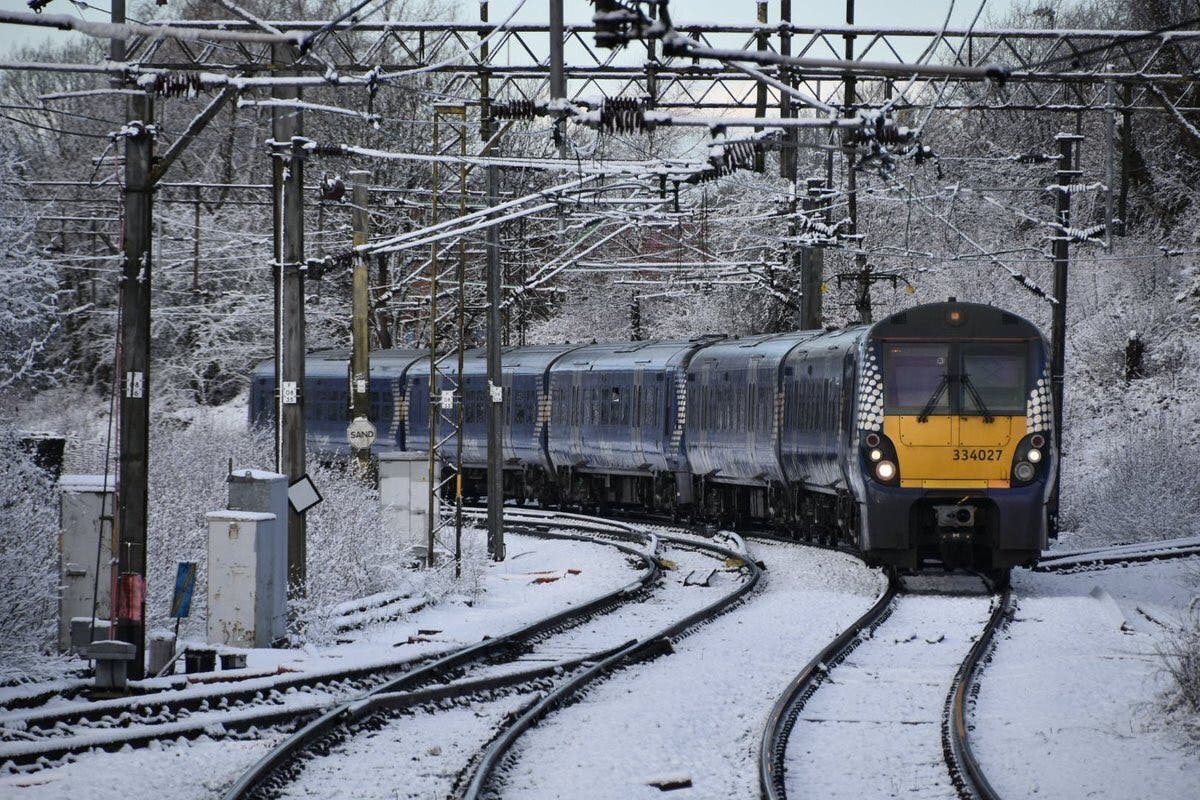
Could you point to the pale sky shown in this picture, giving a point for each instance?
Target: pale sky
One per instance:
(922, 13)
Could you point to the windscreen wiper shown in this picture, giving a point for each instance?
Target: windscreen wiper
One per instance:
(933, 398)
(966, 381)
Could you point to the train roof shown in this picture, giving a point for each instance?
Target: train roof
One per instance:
(661, 354)
(772, 347)
(973, 321)
(333, 361)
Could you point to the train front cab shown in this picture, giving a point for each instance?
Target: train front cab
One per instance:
(953, 439)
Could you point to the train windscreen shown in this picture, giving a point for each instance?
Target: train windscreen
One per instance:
(971, 379)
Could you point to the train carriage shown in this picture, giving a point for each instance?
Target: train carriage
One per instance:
(616, 413)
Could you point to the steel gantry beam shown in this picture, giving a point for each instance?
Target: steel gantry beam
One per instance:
(1055, 70)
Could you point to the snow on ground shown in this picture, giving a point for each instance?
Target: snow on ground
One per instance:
(885, 702)
(408, 757)
(1069, 705)
(697, 715)
(539, 577)
(415, 761)
(197, 770)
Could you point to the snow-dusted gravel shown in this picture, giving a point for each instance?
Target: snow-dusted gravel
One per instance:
(697, 715)
(873, 728)
(420, 755)
(1069, 706)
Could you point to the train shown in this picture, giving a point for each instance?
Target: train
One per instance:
(922, 440)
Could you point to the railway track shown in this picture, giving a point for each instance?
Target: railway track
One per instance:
(506, 697)
(34, 739)
(881, 687)
(1118, 555)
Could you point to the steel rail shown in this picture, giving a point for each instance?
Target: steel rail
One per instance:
(411, 671)
(347, 712)
(500, 747)
(1087, 562)
(772, 746)
(964, 768)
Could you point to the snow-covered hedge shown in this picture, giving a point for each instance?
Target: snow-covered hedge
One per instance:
(28, 563)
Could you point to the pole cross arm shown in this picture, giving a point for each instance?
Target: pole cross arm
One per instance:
(194, 128)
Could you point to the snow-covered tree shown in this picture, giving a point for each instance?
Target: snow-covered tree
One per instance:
(34, 307)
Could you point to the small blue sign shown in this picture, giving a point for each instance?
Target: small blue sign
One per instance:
(185, 582)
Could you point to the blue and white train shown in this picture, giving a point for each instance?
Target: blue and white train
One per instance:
(925, 437)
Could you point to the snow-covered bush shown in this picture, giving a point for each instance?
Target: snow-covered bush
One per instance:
(28, 562)
(351, 555)
(1140, 484)
(1181, 657)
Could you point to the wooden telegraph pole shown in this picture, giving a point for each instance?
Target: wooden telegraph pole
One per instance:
(1065, 176)
(495, 455)
(133, 410)
(362, 433)
(287, 183)
(134, 407)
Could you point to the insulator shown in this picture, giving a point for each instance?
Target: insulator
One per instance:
(515, 109)
(175, 84)
(623, 115)
(327, 150)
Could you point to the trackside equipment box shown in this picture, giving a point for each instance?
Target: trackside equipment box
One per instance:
(244, 569)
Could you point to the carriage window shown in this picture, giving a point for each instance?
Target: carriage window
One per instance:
(996, 373)
(915, 377)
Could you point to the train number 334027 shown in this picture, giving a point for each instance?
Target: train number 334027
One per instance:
(984, 454)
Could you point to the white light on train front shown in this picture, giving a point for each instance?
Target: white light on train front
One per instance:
(1034, 455)
(876, 455)
(885, 470)
(1024, 471)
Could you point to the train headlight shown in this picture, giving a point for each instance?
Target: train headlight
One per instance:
(876, 454)
(1024, 471)
(1034, 455)
(885, 470)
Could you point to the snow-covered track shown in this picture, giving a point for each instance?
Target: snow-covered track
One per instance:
(968, 776)
(429, 682)
(1118, 555)
(772, 748)
(43, 737)
(483, 776)
(882, 677)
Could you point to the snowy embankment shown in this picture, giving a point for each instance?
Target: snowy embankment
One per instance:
(695, 717)
(539, 577)
(1071, 703)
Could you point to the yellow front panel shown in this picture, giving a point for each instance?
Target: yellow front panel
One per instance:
(952, 452)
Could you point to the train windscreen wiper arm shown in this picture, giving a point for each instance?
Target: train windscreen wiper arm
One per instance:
(933, 398)
(966, 381)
